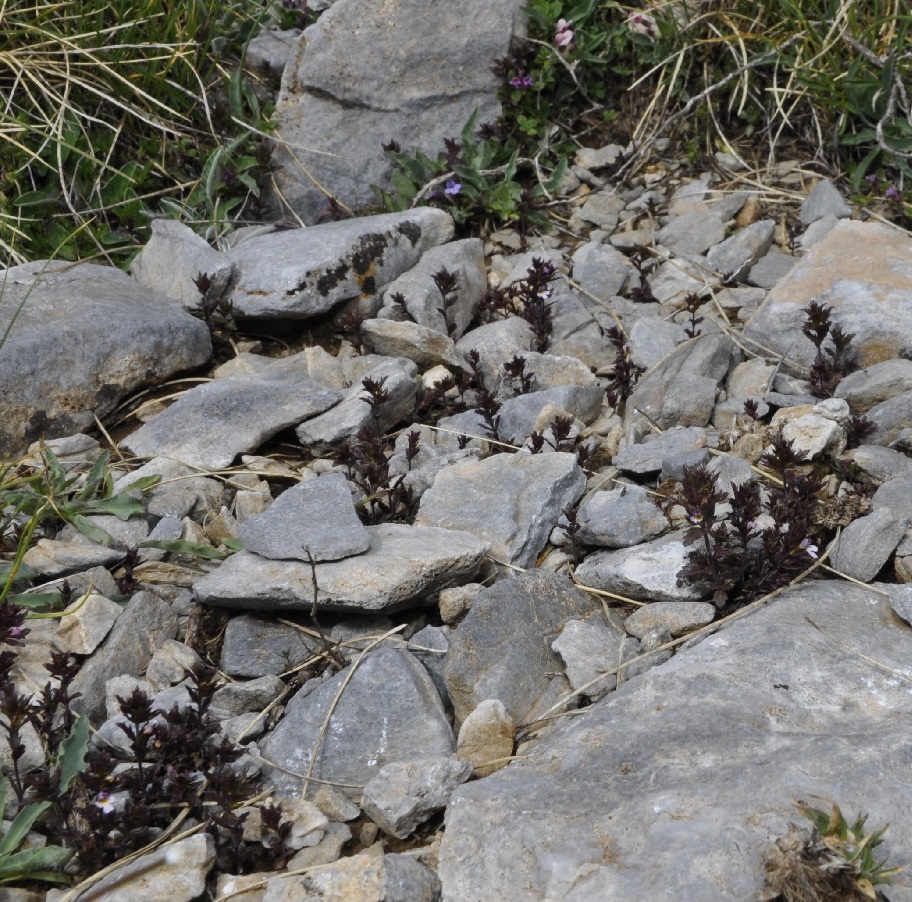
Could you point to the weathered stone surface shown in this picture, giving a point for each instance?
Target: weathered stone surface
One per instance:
(891, 419)
(648, 456)
(502, 649)
(511, 501)
(600, 269)
(388, 710)
(647, 572)
(84, 624)
(881, 464)
(318, 515)
(652, 339)
(496, 343)
(486, 737)
(880, 382)
(254, 647)
(176, 872)
(422, 297)
(50, 557)
(867, 543)
(677, 617)
(179, 493)
(683, 388)
(592, 647)
(173, 257)
(427, 347)
(692, 233)
(619, 518)
(863, 270)
(300, 273)
(405, 794)
(346, 419)
(366, 74)
(403, 566)
(213, 423)
(823, 200)
(59, 369)
(735, 256)
(144, 625)
(676, 786)
(771, 268)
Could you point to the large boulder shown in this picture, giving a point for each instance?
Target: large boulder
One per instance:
(85, 337)
(676, 786)
(863, 270)
(374, 71)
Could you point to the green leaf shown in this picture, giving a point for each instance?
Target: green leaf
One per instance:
(36, 864)
(468, 130)
(121, 506)
(404, 186)
(144, 483)
(181, 546)
(22, 574)
(89, 529)
(95, 478)
(557, 176)
(73, 751)
(35, 600)
(21, 826)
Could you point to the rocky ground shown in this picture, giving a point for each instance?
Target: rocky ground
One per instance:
(455, 644)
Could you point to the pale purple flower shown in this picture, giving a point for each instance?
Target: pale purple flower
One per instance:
(892, 194)
(641, 23)
(564, 36)
(871, 178)
(812, 550)
(696, 518)
(452, 187)
(103, 801)
(522, 80)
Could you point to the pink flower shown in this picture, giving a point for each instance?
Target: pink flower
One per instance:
(641, 23)
(564, 36)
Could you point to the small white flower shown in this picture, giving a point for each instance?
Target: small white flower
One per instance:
(103, 801)
(564, 36)
(812, 550)
(642, 23)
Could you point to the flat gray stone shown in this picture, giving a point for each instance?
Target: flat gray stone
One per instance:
(647, 572)
(881, 464)
(210, 425)
(866, 388)
(300, 273)
(511, 501)
(677, 617)
(590, 647)
(619, 518)
(867, 543)
(692, 233)
(502, 649)
(427, 347)
(404, 794)
(352, 414)
(145, 624)
(600, 269)
(863, 270)
(823, 200)
(174, 873)
(365, 74)
(683, 388)
(179, 493)
(653, 339)
(890, 418)
(674, 788)
(772, 267)
(736, 256)
(254, 647)
(496, 343)
(422, 298)
(318, 515)
(519, 415)
(404, 565)
(388, 711)
(59, 369)
(173, 257)
(648, 456)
